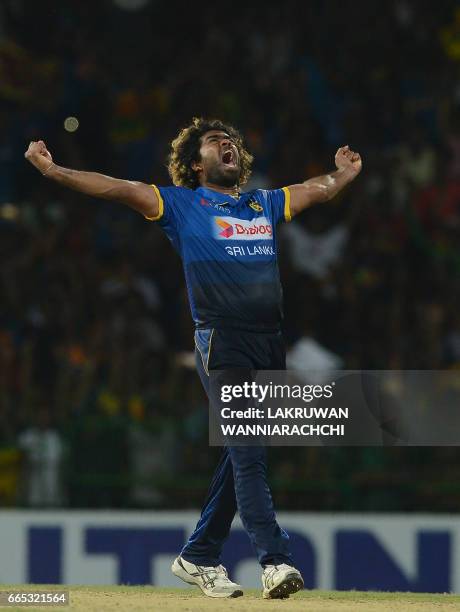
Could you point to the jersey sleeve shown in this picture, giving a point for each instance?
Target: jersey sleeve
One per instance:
(279, 204)
(171, 213)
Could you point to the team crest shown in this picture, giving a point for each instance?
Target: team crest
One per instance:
(255, 206)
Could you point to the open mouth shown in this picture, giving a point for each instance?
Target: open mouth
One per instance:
(228, 158)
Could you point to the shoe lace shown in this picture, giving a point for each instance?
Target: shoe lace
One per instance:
(268, 573)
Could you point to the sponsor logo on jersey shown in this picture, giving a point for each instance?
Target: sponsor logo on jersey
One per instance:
(241, 229)
(227, 230)
(219, 206)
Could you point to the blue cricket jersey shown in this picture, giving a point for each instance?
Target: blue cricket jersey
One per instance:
(229, 252)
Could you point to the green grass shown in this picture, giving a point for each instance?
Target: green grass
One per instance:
(139, 598)
(192, 592)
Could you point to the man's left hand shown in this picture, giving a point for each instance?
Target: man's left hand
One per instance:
(348, 160)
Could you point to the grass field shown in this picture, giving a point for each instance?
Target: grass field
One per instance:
(121, 599)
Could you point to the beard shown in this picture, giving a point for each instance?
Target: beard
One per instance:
(224, 177)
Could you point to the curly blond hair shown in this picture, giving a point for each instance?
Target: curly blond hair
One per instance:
(185, 149)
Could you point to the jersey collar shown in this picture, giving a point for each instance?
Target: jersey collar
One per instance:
(217, 196)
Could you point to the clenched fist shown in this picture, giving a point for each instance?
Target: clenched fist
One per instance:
(39, 156)
(348, 160)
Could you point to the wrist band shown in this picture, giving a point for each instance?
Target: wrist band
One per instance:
(49, 167)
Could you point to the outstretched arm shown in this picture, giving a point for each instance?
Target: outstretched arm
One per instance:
(135, 194)
(324, 188)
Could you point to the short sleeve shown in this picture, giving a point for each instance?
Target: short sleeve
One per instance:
(171, 204)
(279, 204)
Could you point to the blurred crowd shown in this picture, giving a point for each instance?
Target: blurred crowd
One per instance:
(99, 402)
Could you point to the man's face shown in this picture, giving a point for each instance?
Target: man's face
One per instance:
(219, 160)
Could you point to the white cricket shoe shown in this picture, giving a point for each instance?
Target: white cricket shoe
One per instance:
(280, 581)
(213, 581)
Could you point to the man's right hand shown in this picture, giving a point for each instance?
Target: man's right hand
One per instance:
(137, 195)
(39, 156)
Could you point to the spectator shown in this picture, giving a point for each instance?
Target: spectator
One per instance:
(43, 456)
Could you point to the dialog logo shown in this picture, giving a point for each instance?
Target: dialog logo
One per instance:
(228, 228)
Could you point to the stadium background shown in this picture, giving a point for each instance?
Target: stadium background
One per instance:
(99, 404)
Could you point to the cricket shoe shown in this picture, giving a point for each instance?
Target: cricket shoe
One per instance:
(213, 581)
(280, 581)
